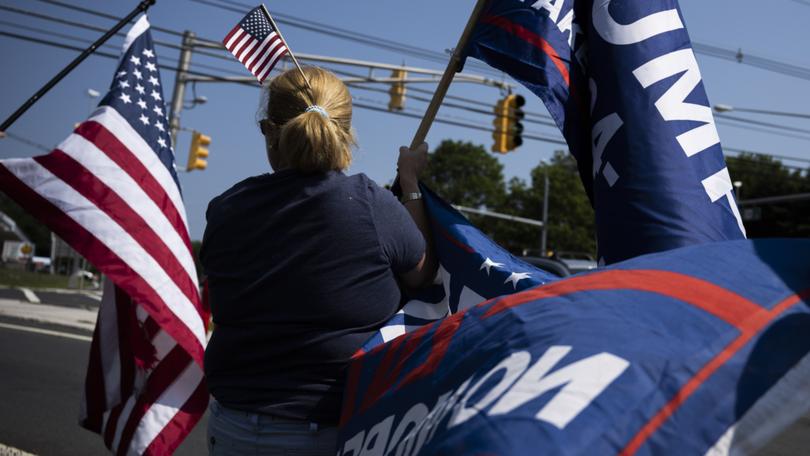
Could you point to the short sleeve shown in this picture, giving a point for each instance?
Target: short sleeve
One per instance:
(401, 241)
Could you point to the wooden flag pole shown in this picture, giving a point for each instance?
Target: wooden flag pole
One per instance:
(295, 61)
(447, 77)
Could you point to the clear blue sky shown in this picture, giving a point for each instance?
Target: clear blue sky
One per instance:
(776, 29)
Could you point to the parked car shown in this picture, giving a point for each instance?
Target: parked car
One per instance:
(551, 265)
(577, 261)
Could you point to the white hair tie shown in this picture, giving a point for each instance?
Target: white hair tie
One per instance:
(317, 109)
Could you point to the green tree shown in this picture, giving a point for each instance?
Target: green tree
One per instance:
(465, 174)
(571, 224)
(763, 176)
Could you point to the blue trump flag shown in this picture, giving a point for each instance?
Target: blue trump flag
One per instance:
(698, 350)
(621, 81)
(693, 341)
(472, 269)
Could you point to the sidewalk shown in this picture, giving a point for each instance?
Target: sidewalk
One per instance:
(73, 317)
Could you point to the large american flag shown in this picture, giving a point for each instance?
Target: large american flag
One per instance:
(255, 43)
(110, 190)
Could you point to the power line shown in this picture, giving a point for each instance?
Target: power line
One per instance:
(105, 15)
(781, 157)
(333, 31)
(762, 124)
(197, 51)
(29, 142)
(488, 112)
(455, 123)
(173, 46)
(359, 105)
(113, 56)
(163, 58)
(761, 130)
(84, 26)
(700, 48)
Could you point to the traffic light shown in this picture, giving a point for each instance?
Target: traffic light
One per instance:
(501, 124)
(508, 132)
(515, 130)
(397, 91)
(198, 151)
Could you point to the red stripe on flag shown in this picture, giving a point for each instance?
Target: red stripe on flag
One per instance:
(275, 59)
(453, 240)
(752, 325)
(181, 424)
(441, 342)
(239, 43)
(352, 384)
(531, 38)
(385, 375)
(124, 308)
(122, 304)
(91, 187)
(262, 48)
(230, 34)
(112, 424)
(103, 258)
(94, 397)
(108, 143)
(271, 47)
(246, 49)
(724, 304)
(150, 328)
(257, 71)
(253, 52)
(161, 378)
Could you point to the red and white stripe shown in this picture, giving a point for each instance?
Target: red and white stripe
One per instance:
(258, 57)
(105, 192)
(142, 411)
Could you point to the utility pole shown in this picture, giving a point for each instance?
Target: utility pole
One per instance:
(181, 76)
(545, 213)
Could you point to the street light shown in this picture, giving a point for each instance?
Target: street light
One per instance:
(546, 186)
(720, 108)
(737, 185)
(93, 94)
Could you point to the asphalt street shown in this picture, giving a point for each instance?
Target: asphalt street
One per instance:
(41, 388)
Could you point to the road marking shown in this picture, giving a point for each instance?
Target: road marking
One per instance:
(6, 450)
(30, 295)
(48, 332)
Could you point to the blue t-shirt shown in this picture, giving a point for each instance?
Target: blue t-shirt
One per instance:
(301, 271)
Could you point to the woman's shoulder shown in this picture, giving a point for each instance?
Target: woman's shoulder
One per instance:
(381, 199)
(360, 180)
(231, 195)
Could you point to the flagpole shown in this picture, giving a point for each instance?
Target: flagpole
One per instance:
(278, 30)
(449, 72)
(142, 7)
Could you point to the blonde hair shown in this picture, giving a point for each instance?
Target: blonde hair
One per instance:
(311, 141)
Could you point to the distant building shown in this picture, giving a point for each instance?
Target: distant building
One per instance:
(17, 248)
(65, 260)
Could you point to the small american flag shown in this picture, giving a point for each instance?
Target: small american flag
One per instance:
(256, 43)
(110, 190)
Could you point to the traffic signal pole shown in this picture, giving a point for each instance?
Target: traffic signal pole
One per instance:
(544, 236)
(180, 79)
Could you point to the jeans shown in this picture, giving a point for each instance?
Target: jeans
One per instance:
(234, 432)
